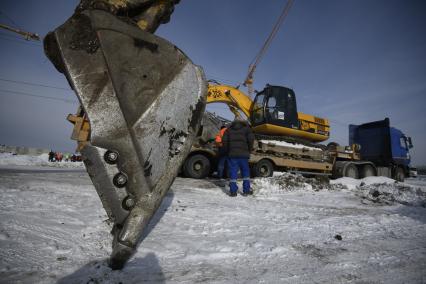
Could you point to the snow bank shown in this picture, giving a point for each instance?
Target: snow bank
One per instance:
(388, 194)
(383, 190)
(292, 182)
(9, 159)
(371, 190)
(351, 183)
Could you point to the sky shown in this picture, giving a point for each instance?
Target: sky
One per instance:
(348, 61)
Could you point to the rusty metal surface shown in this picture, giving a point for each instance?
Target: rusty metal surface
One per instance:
(146, 14)
(144, 99)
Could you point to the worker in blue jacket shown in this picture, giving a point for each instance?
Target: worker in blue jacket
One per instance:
(238, 143)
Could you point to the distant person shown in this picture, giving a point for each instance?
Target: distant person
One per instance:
(222, 155)
(238, 143)
(51, 156)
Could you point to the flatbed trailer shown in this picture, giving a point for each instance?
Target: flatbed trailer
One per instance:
(332, 160)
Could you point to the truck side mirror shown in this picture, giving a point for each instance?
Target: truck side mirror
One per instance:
(410, 143)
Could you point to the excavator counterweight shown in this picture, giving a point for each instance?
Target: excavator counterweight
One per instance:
(144, 100)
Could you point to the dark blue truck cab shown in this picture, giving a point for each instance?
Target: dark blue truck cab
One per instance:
(384, 146)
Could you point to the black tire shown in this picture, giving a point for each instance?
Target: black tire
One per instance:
(399, 174)
(368, 171)
(263, 168)
(196, 166)
(351, 171)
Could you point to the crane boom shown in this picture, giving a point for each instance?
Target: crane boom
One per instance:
(26, 34)
(252, 67)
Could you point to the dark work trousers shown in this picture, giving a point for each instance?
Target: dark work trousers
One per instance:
(221, 165)
(242, 164)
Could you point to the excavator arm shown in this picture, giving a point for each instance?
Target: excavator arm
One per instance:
(142, 101)
(233, 97)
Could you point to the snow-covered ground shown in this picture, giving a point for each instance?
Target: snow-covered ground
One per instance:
(8, 160)
(293, 230)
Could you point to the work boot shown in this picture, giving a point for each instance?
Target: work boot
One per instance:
(232, 194)
(250, 192)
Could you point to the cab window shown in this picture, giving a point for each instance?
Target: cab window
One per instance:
(258, 114)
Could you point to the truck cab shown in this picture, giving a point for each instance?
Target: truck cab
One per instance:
(385, 146)
(401, 144)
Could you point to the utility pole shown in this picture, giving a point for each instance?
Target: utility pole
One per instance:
(27, 35)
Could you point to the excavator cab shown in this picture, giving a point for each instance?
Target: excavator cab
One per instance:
(275, 105)
(274, 112)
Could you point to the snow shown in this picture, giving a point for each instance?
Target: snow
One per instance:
(354, 183)
(287, 144)
(9, 159)
(53, 229)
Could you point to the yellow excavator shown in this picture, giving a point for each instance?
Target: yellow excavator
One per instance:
(142, 102)
(273, 112)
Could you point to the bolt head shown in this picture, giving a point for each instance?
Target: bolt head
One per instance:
(120, 180)
(130, 202)
(111, 157)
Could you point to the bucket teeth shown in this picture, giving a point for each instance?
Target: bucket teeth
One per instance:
(144, 100)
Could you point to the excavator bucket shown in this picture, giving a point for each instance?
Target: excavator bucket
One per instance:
(144, 100)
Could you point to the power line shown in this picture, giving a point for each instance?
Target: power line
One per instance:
(37, 96)
(10, 19)
(35, 84)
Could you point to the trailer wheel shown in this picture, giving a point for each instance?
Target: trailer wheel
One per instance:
(399, 174)
(197, 166)
(368, 171)
(263, 168)
(351, 171)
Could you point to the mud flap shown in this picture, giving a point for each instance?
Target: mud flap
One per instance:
(144, 99)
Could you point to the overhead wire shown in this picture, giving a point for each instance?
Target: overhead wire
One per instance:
(5, 91)
(21, 41)
(10, 19)
(34, 84)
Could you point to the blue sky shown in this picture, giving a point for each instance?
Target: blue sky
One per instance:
(349, 61)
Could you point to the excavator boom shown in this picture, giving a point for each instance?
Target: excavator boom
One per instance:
(144, 100)
(230, 96)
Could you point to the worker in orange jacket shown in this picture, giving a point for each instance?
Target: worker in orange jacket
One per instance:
(222, 155)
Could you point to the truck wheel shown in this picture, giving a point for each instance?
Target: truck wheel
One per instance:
(263, 168)
(197, 166)
(351, 171)
(368, 171)
(399, 174)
